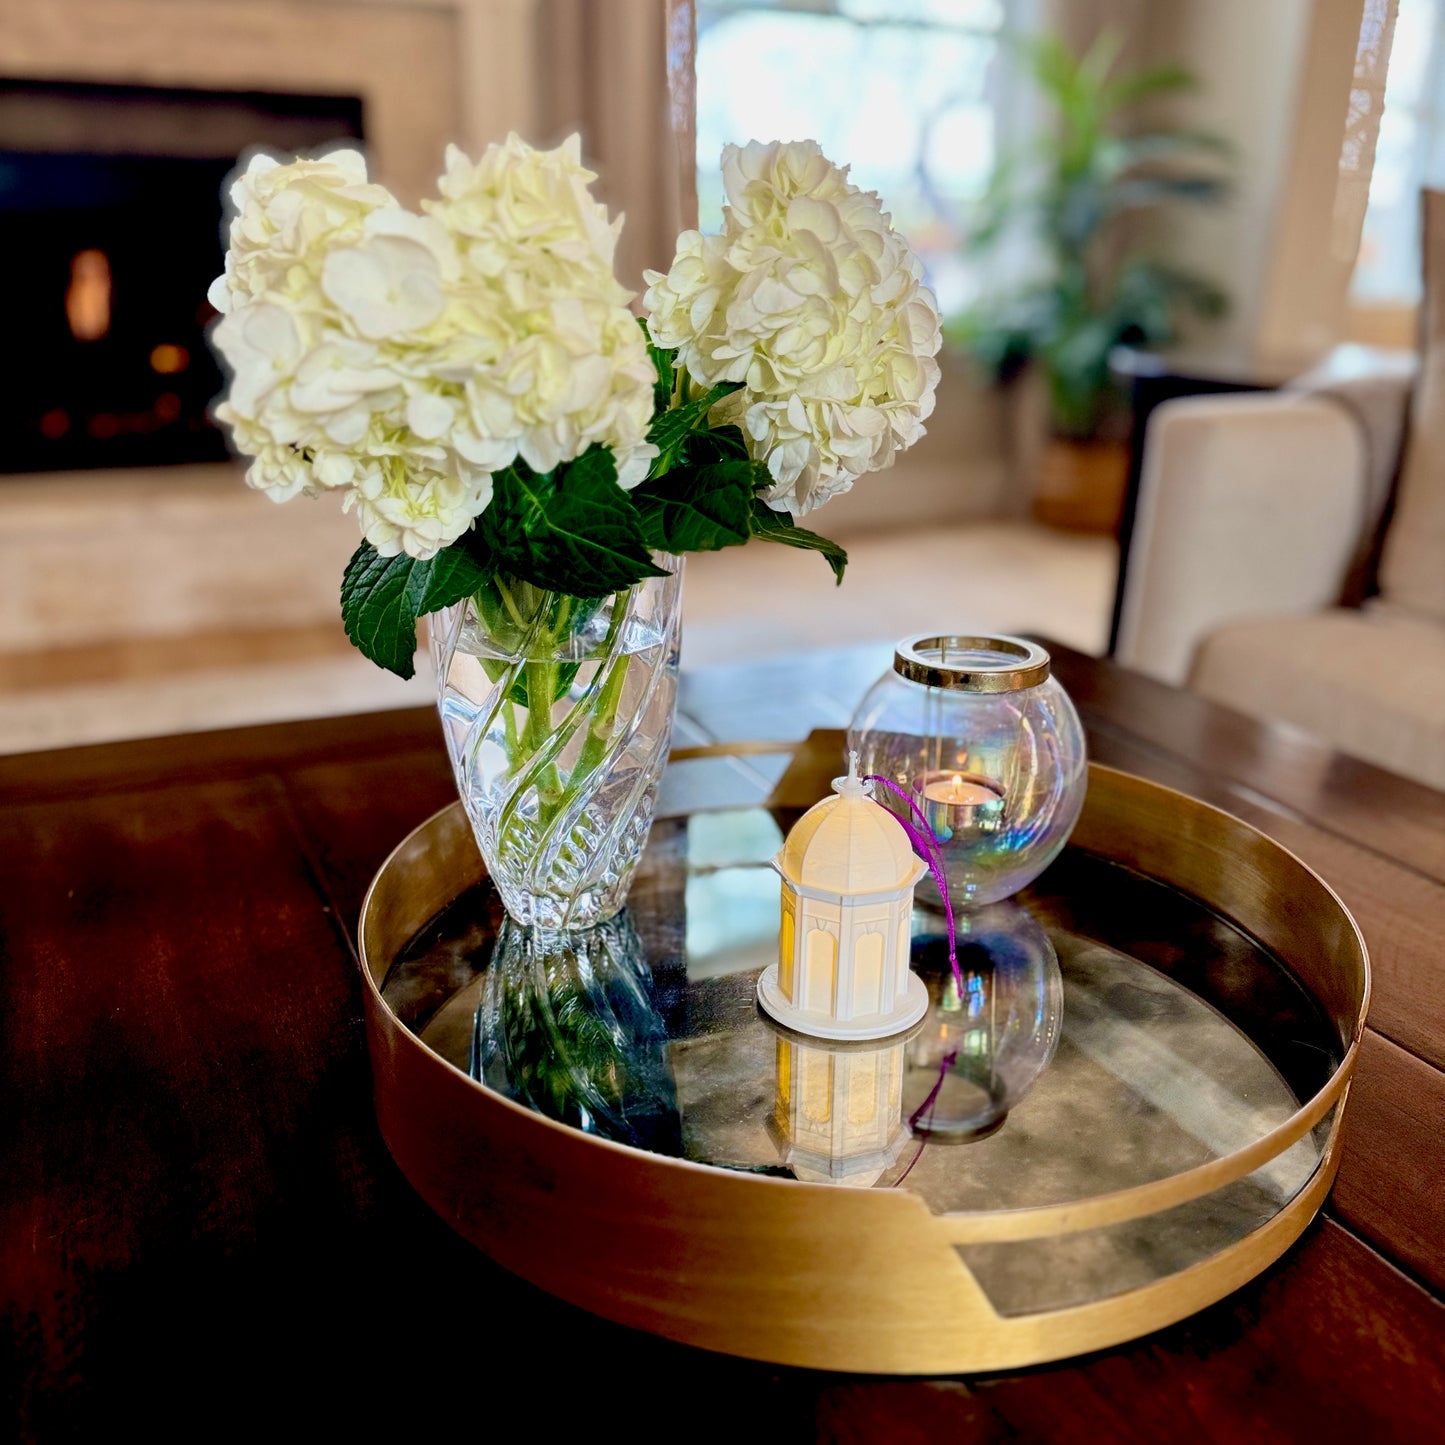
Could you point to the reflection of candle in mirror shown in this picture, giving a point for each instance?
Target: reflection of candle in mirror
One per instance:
(952, 801)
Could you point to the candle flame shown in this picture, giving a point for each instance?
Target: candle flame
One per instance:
(958, 780)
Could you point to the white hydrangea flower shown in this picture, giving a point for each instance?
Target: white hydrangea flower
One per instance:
(389, 283)
(262, 342)
(552, 358)
(302, 374)
(286, 217)
(278, 469)
(401, 359)
(815, 303)
(633, 466)
(407, 506)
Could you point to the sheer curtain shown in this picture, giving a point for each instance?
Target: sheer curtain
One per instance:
(1410, 153)
(1362, 126)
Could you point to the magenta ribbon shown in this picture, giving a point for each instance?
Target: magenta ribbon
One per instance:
(926, 846)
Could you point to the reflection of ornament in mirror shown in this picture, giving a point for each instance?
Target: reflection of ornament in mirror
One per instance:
(837, 1115)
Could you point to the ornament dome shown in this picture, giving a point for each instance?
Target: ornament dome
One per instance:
(849, 844)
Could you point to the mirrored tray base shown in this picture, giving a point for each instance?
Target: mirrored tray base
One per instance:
(1132, 1106)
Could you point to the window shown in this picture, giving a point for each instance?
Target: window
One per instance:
(906, 92)
(1409, 153)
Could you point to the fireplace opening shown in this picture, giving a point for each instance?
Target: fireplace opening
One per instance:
(111, 211)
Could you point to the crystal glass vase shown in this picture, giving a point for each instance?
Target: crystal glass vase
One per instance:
(557, 713)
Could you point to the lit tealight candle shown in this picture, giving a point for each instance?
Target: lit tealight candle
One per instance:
(952, 801)
(958, 791)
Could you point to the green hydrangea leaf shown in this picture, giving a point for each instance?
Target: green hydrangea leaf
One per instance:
(500, 532)
(376, 608)
(580, 532)
(717, 444)
(774, 526)
(662, 364)
(697, 509)
(566, 675)
(669, 431)
(454, 573)
(382, 597)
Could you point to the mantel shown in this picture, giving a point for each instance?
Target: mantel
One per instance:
(427, 73)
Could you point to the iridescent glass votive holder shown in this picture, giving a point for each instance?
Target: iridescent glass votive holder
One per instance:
(989, 747)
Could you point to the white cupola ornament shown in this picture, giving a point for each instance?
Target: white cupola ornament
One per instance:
(848, 872)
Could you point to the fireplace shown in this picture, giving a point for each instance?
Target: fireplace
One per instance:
(110, 229)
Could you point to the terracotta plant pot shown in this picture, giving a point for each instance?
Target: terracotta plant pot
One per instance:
(1080, 485)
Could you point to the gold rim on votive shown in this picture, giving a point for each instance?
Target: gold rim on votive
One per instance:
(1024, 664)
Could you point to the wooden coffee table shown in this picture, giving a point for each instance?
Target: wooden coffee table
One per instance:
(201, 1230)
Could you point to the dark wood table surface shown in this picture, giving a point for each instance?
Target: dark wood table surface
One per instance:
(203, 1235)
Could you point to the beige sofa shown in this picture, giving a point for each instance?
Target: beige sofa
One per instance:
(1274, 567)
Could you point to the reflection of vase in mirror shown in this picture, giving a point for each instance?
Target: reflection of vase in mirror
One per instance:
(837, 1114)
(980, 1050)
(568, 1026)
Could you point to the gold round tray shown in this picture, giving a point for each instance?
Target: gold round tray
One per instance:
(858, 1279)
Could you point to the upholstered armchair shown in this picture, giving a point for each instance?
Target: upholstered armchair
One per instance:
(1288, 556)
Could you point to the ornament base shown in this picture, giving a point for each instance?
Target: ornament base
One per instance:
(774, 1002)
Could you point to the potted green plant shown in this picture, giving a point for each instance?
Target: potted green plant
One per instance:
(1078, 194)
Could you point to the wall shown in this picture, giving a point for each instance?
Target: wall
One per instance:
(1249, 60)
(1275, 80)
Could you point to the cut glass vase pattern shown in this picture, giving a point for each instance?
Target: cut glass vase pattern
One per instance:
(558, 717)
